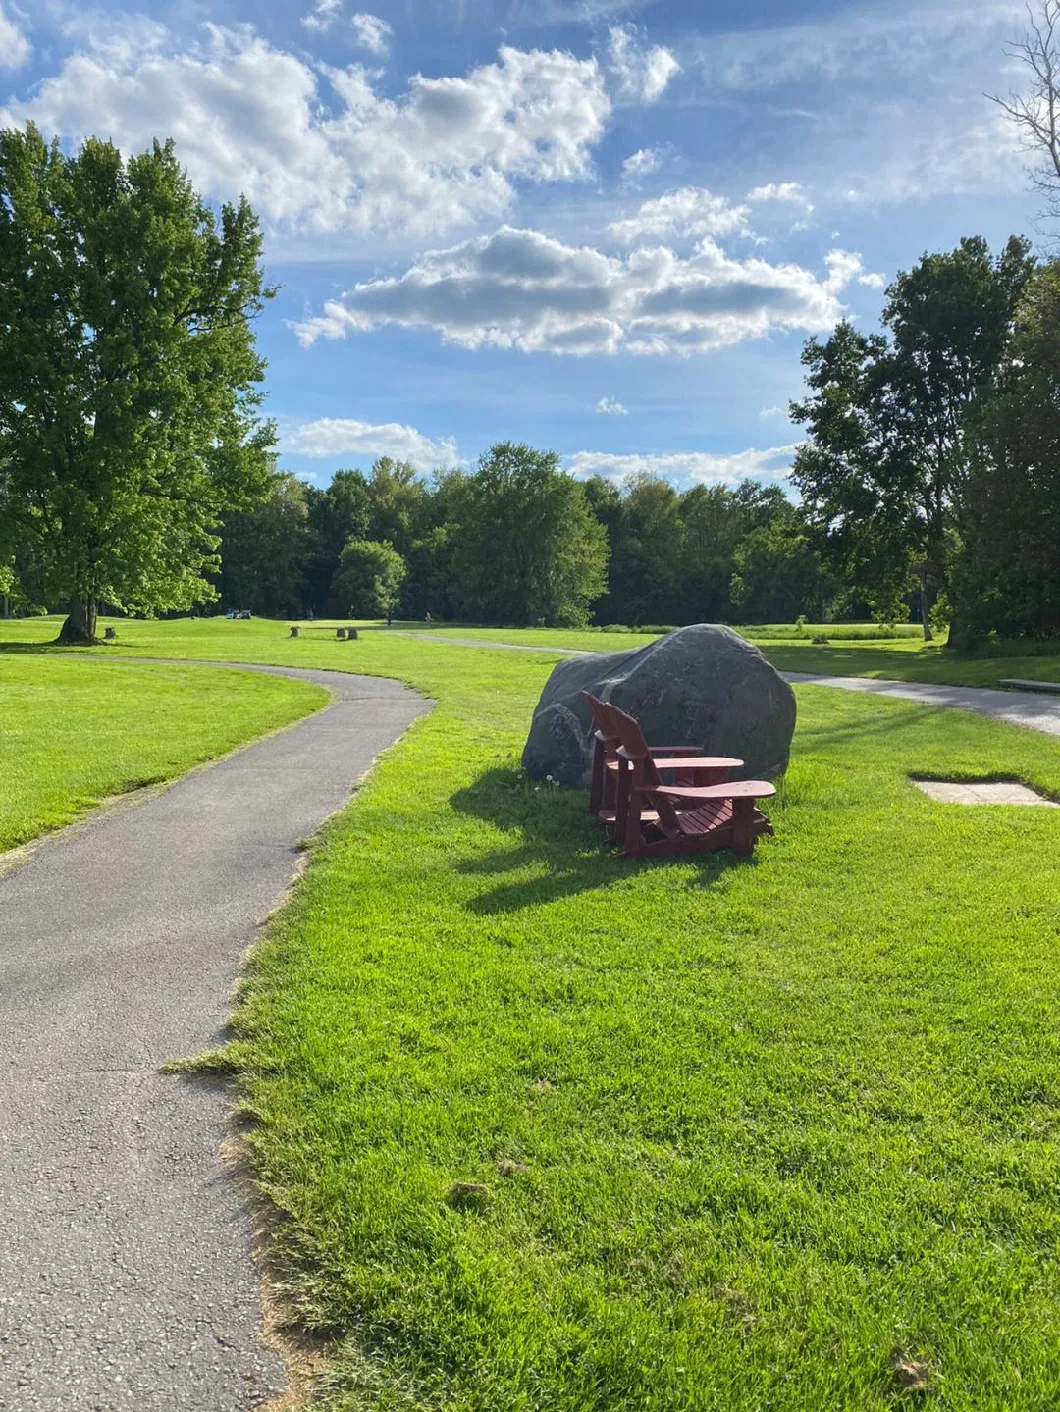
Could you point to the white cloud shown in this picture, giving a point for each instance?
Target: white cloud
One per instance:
(372, 33)
(641, 163)
(14, 46)
(767, 414)
(872, 281)
(249, 117)
(688, 213)
(611, 407)
(522, 289)
(789, 191)
(704, 467)
(877, 117)
(640, 75)
(323, 15)
(343, 436)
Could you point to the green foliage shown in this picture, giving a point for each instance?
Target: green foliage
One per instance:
(778, 573)
(263, 549)
(368, 579)
(1008, 573)
(526, 547)
(128, 374)
(887, 451)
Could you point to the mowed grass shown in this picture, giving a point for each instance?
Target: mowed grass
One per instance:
(544, 1130)
(906, 658)
(75, 730)
(741, 1136)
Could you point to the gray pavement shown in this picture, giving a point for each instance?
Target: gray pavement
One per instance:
(1035, 710)
(1019, 708)
(126, 1270)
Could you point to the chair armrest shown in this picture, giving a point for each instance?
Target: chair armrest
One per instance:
(736, 789)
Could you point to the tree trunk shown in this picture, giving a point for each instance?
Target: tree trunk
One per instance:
(927, 602)
(79, 630)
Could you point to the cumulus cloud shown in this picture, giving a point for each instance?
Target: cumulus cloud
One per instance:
(522, 289)
(323, 15)
(343, 436)
(640, 74)
(789, 191)
(249, 117)
(703, 467)
(641, 163)
(688, 213)
(372, 33)
(14, 46)
(611, 407)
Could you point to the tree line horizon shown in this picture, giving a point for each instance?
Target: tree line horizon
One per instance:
(138, 471)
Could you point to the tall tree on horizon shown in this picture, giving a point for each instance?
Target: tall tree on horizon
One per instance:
(887, 450)
(129, 378)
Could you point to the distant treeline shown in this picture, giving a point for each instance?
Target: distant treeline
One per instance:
(517, 541)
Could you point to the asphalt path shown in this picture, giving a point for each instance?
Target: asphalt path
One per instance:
(1030, 709)
(1034, 710)
(127, 1277)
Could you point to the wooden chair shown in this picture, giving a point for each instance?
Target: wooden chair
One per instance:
(662, 820)
(602, 788)
(611, 778)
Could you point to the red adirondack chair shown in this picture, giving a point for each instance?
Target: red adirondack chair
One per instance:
(662, 819)
(612, 773)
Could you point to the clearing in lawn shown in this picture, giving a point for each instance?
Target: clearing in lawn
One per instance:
(73, 732)
(543, 1129)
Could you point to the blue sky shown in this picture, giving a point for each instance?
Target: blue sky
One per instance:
(597, 226)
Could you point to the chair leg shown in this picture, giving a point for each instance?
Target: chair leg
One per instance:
(596, 779)
(743, 827)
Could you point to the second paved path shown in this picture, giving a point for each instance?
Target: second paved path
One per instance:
(126, 1277)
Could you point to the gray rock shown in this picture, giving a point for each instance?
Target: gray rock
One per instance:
(702, 685)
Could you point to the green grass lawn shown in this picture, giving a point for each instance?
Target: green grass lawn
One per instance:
(906, 658)
(73, 731)
(545, 1130)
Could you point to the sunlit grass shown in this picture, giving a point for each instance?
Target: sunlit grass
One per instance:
(544, 1130)
(73, 732)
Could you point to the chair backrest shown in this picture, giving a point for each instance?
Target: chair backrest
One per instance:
(601, 714)
(631, 738)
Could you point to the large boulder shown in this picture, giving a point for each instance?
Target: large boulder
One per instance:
(702, 685)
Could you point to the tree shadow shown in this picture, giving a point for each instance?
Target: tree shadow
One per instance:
(560, 843)
(30, 648)
(901, 716)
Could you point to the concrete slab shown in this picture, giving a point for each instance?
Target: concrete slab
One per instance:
(983, 792)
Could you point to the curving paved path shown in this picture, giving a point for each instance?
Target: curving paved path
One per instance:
(1034, 710)
(126, 1271)
(1031, 709)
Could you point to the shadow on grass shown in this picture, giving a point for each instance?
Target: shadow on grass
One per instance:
(560, 843)
(895, 717)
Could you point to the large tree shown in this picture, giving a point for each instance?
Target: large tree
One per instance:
(1007, 575)
(526, 548)
(129, 379)
(368, 579)
(887, 450)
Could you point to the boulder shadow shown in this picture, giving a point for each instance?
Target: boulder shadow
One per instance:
(559, 841)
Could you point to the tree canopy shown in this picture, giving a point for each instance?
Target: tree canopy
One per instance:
(887, 451)
(129, 379)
